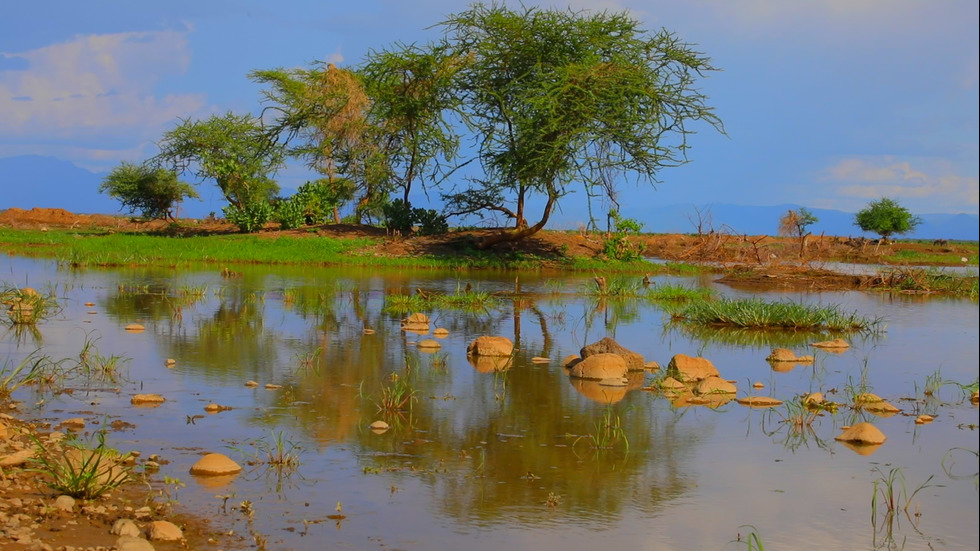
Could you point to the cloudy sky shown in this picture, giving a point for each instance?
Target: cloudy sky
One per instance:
(826, 103)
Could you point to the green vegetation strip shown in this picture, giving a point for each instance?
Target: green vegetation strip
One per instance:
(763, 314)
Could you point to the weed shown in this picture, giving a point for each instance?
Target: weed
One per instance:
(607, 433)
(752, 542)
(32, 368)
(96, 366)
(892, 491)
(25, 306)
(679, 293)
(83, 470)
(396, 396)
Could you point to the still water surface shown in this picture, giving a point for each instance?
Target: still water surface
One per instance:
(491, 460)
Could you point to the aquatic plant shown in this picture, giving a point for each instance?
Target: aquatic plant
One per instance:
(25, 306)
(764, 314)
(607, 433)
(32, 368)
(893, 493)
(422, 301)
(81, 469)
(678, 293)
(398, 395)
(752, 542)
(619, 286)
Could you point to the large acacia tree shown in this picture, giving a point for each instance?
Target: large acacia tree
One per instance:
(554, 97)
(234, 150)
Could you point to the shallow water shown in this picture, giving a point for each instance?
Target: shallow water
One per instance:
(474, 462)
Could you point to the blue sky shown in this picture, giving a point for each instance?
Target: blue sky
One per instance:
(827, 103)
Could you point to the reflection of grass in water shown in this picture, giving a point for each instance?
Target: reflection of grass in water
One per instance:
(466, 301)
(744, 336)
(893, 494)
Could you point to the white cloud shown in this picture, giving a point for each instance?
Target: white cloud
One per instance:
(932, 183)
(96, 83)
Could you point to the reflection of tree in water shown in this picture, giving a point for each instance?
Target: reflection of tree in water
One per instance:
(487, 455)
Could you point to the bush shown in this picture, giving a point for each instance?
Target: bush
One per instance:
(289, 213)
(251, 217)
(154, 192)
(619, 246)
(400, 217)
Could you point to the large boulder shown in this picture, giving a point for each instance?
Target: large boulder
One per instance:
(600, 366)
(490, 346)
(634, 361)
(689, 369)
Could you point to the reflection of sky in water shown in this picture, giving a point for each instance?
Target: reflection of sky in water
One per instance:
(692, 477)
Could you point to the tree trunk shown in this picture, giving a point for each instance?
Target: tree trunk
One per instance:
(519, 232)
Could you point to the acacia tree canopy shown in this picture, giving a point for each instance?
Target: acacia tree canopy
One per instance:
(153, 191)
(886, 218)
(234, 150)
(556, 96)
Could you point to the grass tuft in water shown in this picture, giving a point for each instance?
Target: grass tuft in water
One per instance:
(81, 469)
(758, 313)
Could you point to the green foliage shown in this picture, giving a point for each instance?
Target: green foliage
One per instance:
(288, 213)
(234, 150)
(618, 246)
(81, 469)
(400, 217)
(250, 217)
(886, 218)
(319, 198)
(397, 396)
(32, 368)
(760, 313)
(795, 222)
(556, 96)
(153, 191)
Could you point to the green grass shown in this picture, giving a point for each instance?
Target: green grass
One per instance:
(26, 306)
(678, 293)
(758, 313)
(81, 469)
(34, 367)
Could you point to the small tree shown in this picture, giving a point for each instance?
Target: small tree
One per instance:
(153, 191)
(795, 222)
(886, 218)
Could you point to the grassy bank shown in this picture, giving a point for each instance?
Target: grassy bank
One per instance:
(761, 314)
(88, 248)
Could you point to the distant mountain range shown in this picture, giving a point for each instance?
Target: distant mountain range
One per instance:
(35, 181)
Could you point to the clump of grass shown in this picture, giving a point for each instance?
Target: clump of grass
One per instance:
(94, 365)
(25, 306)
(81, 469)
(620, 286)
(921, 280)
(893, 493)
(396, 396)
(759, 313)
(607, 433)
(33, 368)
(277, 451)
(679, 293)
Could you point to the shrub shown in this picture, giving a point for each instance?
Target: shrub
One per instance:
(251, 217)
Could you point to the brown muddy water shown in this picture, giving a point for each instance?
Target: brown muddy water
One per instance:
(505, 460)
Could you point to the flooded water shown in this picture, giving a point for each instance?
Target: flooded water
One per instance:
(488, 459)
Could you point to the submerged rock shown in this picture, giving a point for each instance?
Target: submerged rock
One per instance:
(862, 433)
(490, 346)
(634, 361)
(600, 366)
(134, 328)
(688, 369)
(147, 399)
(836, 343)
(215, 464)
(759, 402)
(715, 385)
(431, 344)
